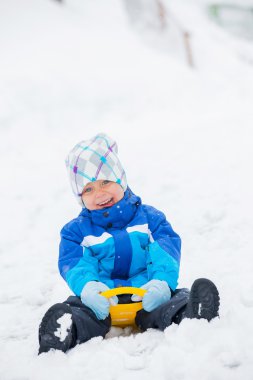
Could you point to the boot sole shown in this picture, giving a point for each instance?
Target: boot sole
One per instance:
(48, 327)
(204, 300)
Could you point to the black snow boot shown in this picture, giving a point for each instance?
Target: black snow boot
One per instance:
(50, 330)
(204, 300)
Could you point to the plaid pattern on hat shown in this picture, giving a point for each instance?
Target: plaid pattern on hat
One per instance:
(92, 160)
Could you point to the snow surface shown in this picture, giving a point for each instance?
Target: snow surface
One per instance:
(70, 71)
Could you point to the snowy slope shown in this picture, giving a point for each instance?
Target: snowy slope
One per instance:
(184, 136)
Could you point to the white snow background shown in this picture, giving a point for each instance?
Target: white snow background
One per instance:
(70, 71)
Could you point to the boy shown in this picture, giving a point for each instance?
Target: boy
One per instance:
(117, 241)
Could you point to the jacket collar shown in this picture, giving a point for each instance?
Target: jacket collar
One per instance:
(116, 216)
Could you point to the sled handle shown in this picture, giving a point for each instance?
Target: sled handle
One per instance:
(123, 290)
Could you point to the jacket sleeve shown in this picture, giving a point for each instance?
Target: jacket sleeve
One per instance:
(76, 263)
(164, 249)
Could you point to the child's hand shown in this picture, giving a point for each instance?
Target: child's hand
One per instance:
(98, 304)
(158, 292)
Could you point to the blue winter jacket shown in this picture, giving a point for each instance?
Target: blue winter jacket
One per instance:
(127, 244)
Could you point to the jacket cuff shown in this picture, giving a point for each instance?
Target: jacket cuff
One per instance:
(163, 276)
(79, 285)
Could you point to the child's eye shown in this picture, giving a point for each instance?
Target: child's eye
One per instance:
(87, 190)
(105, 182)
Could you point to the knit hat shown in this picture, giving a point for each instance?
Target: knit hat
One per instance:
(92, 160)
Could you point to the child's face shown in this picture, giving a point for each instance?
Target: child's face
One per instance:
(102, 193)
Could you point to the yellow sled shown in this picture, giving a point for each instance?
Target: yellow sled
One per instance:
(124, 314)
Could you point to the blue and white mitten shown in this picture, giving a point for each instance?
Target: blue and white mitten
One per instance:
(98, 304)
(158, 292)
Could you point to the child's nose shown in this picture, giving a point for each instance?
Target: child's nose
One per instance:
(99, 191)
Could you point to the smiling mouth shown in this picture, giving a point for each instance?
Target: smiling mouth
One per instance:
(105, 203)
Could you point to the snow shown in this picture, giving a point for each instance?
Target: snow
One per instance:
(65, 323)
(184, 134)
(199, 308)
